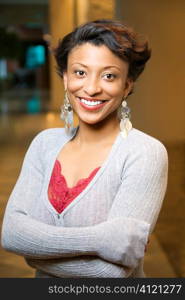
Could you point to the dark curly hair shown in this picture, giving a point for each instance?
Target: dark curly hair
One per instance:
(121, 39)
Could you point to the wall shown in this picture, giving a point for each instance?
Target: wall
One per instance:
(158, 104)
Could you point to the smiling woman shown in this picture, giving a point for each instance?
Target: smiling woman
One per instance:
(88, 197)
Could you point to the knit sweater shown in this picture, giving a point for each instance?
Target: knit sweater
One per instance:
(104, 230)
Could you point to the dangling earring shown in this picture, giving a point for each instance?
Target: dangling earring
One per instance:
(67, 113)
(125, 124)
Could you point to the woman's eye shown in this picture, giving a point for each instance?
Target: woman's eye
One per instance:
(80, 73)
(109, 76)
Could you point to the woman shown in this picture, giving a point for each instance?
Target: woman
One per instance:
(87, 198)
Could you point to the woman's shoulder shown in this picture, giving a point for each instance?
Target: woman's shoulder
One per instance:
(53, 135)
(141, 137)
(141, 143)
(141, 151)
(48, 139)
(50, 133)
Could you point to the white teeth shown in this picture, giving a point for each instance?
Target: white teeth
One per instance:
(90, 103)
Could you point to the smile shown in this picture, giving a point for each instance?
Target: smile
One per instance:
(91, 104)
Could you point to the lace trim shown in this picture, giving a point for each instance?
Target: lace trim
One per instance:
(59, 194)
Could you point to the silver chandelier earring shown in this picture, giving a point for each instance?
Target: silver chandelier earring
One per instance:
(125, 123)
(67, 113)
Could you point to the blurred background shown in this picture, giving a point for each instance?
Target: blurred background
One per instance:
(31, 94)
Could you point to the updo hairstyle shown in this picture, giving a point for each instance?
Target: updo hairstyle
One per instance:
(121, 39)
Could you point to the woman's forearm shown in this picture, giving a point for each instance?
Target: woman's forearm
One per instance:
(76, 267)
(28, 237)
(109, 240)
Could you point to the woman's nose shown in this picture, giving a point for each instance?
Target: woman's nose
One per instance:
(92, 86)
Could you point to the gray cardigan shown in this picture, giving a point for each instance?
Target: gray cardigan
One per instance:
(103, 232)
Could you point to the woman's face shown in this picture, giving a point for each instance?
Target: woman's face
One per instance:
(96, 81)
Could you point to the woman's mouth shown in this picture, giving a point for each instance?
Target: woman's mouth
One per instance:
(91, 104)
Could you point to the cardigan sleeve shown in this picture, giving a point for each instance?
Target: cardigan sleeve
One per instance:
(135, 210)
(137, 203)
(80, 267)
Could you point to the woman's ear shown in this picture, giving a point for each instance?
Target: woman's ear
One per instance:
(65, 80)
(128, 86)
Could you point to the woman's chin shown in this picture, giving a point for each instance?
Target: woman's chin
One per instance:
(89, 118)
(89, 121)
(95, 119)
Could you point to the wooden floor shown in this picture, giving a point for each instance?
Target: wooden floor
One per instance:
(165, 256)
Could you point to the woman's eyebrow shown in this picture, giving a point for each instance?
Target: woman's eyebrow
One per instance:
(76, 63)
(104, 68)
(108, 67)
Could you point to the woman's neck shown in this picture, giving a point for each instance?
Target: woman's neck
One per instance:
(103, 132)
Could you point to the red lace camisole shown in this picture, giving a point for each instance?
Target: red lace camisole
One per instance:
(59, 194)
